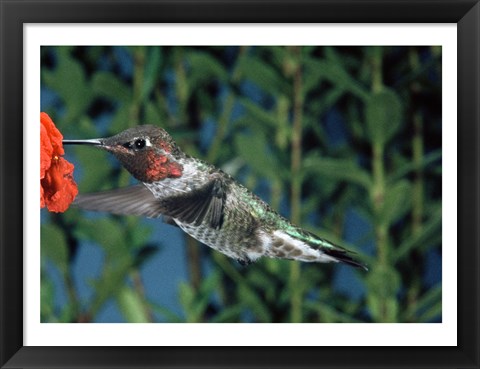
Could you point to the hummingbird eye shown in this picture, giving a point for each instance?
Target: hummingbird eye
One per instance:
(140, 143)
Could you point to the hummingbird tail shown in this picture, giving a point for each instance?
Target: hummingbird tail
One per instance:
(344, 257)
(338, 253)
(301, 245)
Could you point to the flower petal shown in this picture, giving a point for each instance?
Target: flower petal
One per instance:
(53, 134)
(46, 151)
(57, 187)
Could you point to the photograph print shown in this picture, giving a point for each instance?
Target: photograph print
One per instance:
(241, 184)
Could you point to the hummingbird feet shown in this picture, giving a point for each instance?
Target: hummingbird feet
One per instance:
(245, 262)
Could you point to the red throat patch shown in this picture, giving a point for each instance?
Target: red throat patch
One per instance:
(160, 167)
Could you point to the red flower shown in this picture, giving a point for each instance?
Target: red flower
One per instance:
(57, 187)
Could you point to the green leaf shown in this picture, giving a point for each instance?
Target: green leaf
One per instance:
(263, 75)
(165, 312)
(229, 314)
(431, 298)
(383, 283)
(250, 299)
(94, 174)
(434, 312)
(106, 84)
(54, 246)
(283, 127)
(109, 283)
(254, 150)
(256, 117)
(264, 282)
(209, 285)
(152, 70)
(139, 236)
(204, 68)
(409, 166)
(423, 239)
(331, 98)
(69, 81)
(186, 294)
(383, 280)
(329, 314)
(383, 116)
(320, 70)
(68, 313)
(337, 169)
(397, 202)
(131, 306)
(383, 310)
(47, 299)
(108, 233)
(194, 303)
(121, 121)
(154, 114)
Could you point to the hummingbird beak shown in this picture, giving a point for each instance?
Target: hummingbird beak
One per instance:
(101, 143)
(94, 142)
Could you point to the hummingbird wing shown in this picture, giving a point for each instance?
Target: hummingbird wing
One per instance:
(134, 200)
(204, 203)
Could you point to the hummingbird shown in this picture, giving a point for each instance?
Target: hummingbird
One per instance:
(205, 202)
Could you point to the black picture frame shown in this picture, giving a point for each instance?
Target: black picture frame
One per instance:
(465, 13)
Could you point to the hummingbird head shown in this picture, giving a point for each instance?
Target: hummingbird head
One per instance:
(147, 152)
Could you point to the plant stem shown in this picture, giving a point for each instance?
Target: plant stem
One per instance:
(378, 200)
(74, 301)
(377, 77)
(72, 295)
(378, 168)
(379, 189)
(138, 75)
(194, 264)
(417, 154)
(418, 186)
(182, 88)
(418, 181)
(214, 150)
(140, 289)
(295, 194)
